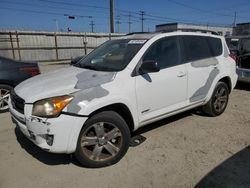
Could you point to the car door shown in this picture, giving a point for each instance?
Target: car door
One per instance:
(202, 66)
(161, 92)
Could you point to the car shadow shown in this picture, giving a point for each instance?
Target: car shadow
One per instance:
(59, 159)
(233, 172)
(243, 86)
(163, 122)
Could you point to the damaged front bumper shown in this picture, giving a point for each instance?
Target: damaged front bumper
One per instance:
(56, 135)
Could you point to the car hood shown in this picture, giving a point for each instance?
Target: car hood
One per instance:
(61, 82)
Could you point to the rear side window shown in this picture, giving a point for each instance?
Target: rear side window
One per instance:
(195, 48)
(215, 46)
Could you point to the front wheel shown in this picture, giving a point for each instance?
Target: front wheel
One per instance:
(218, 102)
(103, 141)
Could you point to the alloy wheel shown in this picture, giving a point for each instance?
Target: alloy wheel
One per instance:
(4, 97)
(101, 141)
(221, 98)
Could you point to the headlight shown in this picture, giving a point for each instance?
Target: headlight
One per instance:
(51, 107)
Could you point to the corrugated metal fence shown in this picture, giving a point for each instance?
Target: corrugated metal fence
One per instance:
(49, 46)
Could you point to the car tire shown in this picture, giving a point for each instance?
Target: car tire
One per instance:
(103, 140)
(219, 100)
(4, 96)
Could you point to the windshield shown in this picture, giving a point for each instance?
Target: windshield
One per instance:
(113, 55)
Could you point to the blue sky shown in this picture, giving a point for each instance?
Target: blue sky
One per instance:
(41, 14)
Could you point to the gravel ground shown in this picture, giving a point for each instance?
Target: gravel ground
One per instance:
(186, 150)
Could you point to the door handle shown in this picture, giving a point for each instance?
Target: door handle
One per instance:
(181, 74)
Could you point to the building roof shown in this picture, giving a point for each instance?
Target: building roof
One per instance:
(176, 23)
(247, 23)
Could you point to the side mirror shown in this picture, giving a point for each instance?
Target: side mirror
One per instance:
(149, 66)
(75, 60)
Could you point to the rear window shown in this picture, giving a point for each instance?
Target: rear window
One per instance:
(215, 46)
(196, 47)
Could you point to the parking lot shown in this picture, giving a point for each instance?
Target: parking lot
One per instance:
(186, 150)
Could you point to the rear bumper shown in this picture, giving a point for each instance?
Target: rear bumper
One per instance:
(243, 74)
(56, 135)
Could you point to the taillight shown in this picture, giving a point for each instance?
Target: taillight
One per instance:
(233, 56)
(33, 71)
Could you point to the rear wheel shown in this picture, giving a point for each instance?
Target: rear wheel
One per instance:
(4, 97)
(103, 141)
(218, 102)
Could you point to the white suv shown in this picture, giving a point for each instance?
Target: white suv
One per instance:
(91, 108)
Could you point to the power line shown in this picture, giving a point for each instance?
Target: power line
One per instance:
(53, 7)
(203, 10)
(74, 4)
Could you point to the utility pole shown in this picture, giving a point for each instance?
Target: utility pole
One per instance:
(235, 16)
(56, 22)
(118, 23)
(111, 12)
(129, 22)
(92, 26)
(142, 13)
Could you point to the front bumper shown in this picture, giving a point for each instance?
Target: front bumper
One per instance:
(243, 74)
(56, 135)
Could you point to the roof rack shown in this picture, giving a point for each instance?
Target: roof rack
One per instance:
(133, 33)
(191, 30)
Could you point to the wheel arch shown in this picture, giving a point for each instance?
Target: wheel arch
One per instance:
(122, 110)
(7, 82)
(227, 81)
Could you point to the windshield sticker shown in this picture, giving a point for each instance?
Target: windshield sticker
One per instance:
(137, 41)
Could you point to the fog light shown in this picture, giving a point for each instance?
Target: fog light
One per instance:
(49, 139)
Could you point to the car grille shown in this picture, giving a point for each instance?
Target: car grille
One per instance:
(17, 102)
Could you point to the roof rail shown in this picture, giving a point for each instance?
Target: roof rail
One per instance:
(137, 33)
(191, 30)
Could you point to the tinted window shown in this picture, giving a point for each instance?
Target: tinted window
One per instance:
(215, 46)
(164, 52)
(245, 45)
(196, 47)
(113, 55)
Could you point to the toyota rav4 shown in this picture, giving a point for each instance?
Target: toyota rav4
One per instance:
(91, 108)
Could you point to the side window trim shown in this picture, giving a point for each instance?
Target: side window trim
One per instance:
(183, 53)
